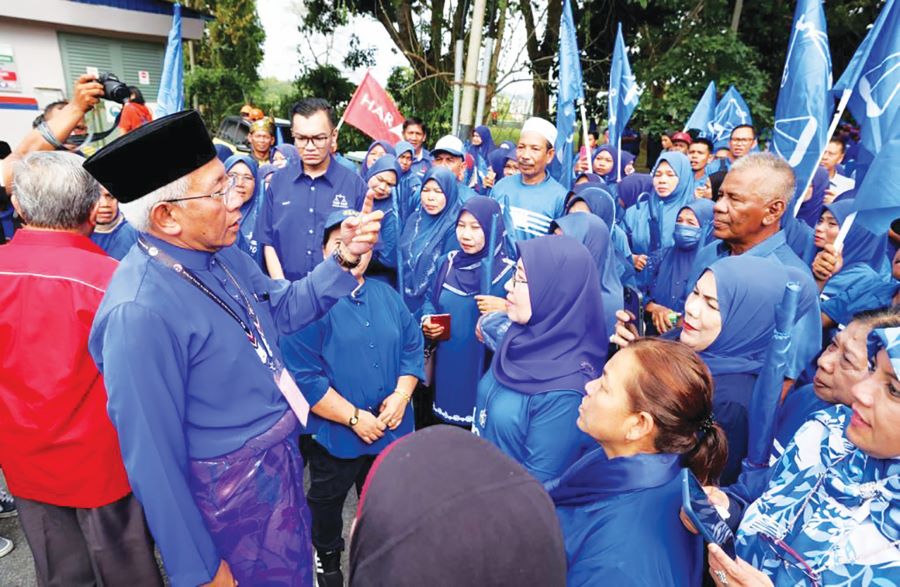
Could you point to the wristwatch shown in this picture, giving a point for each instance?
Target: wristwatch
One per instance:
(343, 261)
(354, 419)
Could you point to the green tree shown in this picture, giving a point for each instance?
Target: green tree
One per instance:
(225, 73)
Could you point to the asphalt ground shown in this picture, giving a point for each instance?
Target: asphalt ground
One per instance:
(17, 567)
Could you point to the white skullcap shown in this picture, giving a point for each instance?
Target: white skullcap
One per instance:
(543, 127)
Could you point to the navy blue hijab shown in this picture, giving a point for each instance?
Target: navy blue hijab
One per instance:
(422, 241)
(497, 160)
(465, 273)
(748, 289)
(487, 144)
(597, 199)
(668, 288)
(564, 344)
(631, 187)
(386, 163)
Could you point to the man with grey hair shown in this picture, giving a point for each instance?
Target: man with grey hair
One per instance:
(60, 452)
(187, 341)
(747, 220)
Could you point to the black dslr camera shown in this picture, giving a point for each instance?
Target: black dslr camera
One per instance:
(113, 88)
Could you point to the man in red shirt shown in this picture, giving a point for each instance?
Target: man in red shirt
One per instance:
(59, 451)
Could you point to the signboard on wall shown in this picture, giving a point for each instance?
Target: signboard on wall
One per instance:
(144, 78)
(9, 76)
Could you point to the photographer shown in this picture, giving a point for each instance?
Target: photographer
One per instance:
(53, 133)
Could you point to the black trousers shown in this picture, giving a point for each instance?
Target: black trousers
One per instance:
(330, 480)
(75, 547)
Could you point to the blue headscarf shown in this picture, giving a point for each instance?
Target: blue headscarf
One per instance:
(748, 289)
(290, 152)
(631, 187)
(600, 201)
(404, 147)
(591, 178)
(249, 209)
(421, 243)
(665, 210)
(593, 233)
(811, 209)
(388, 150)
(860, 245)
(465, 273)
(610, 177)
(498, 159)
(507, 145)
(487, 144)
(564, 344)
(386, 163)
(669, 287)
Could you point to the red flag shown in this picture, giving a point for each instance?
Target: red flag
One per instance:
(373, 112)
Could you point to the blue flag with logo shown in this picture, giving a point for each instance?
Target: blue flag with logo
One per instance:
(704, 112)
(171, 85)
(731, 111)
(624, 92)
(571, 88)
(804, 107)
(878, 197)
(873, 76)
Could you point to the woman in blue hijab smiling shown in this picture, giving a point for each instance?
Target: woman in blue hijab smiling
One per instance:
(592, 232)
(460, 360)
(243, 169)
(428, 235)
(528, 399)
(651, 222)
(480, 148)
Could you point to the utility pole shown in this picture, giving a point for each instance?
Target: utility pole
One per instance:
(467, 109)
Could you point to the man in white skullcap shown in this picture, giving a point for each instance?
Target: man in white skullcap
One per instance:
(533, 198)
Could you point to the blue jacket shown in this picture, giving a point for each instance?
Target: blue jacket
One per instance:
(620, 522)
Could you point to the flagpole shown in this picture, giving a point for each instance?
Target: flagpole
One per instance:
(619, 156)
(845, 228)
(842, 105)
(584, 130)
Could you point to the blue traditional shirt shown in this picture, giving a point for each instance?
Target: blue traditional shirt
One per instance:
(531, 207)
(184, 382)
(832, 504)
(386, 343)
(294, 211)
(118, 241)
(536, 430)
(620, 522)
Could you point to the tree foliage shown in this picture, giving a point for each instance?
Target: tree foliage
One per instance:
(226, 61)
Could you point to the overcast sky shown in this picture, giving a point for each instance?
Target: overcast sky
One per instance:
(280, 19)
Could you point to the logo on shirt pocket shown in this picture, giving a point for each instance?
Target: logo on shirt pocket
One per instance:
(339, 201)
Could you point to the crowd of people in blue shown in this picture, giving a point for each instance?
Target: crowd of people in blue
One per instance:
(517, 379)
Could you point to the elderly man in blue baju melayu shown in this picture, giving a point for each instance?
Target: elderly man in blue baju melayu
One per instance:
(187, 340)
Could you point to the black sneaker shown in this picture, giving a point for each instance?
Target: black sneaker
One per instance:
(328, 569)
(7, 505)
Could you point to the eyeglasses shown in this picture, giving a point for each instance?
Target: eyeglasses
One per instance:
(517, 281)
(787, 555)
(222, 195)
(318, 141)
(241, 178)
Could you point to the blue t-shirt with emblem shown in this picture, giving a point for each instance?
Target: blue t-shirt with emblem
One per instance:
(292, 219)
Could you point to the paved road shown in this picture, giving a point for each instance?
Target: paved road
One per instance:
(17, 568)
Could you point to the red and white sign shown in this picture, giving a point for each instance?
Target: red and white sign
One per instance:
(144, 77)
(373, 112)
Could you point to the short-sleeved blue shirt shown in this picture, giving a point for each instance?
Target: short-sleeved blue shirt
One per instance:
(292, 219)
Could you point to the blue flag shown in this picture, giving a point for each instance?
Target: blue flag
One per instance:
(878, 197)
(731, 111)
(804, 108)
(571, 88)
(624, 92)
(171, 85)
(873, 75)
(704, 112)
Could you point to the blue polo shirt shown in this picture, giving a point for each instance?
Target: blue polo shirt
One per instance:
(292, 219)
(421, 164)
(531, 207)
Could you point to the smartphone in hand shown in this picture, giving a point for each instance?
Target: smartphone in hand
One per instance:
(703, 514)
